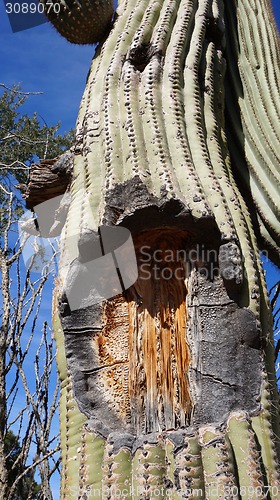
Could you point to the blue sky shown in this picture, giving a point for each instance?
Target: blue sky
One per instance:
(42, 61)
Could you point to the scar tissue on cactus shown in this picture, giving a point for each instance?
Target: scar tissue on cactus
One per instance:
(80, 21)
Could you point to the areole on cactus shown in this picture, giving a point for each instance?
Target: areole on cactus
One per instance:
(169, 389)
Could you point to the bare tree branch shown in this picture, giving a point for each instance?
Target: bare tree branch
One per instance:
(19, 91)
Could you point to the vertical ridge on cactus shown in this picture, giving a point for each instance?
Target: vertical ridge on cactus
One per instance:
(257, 56)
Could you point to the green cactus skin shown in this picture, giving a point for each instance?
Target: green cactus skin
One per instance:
(262, 426)
(80, 21)
(246, 453)
(217, 460)
(258, 90)
(117, 472)
(181, 105)
(188, 467)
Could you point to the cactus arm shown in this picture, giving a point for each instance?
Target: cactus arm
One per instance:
(81, 22)
(257, 45)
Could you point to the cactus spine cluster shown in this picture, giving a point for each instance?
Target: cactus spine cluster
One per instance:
(180, 104)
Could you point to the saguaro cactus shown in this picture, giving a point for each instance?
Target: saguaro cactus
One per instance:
(168, 389)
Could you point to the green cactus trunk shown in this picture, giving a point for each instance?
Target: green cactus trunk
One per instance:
(168, 389)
